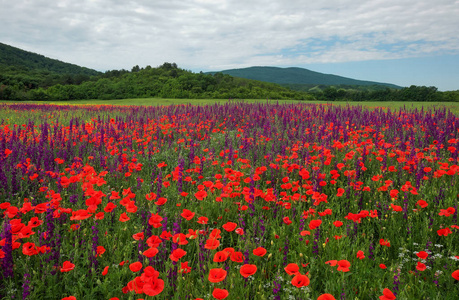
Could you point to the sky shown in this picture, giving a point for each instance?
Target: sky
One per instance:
(404, 42)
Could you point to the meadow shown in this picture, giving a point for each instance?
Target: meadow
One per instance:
(228, 200)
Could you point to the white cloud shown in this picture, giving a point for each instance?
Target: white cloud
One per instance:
(204, 34)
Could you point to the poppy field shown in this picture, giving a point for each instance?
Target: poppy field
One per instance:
(228, 201)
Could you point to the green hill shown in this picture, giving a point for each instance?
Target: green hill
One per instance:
(23, 70)
(297, 78)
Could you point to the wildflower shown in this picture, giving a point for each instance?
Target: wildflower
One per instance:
(292, 269)
(248, 270)
(220, 293)
(300, 280)
(260, 251)
(387, 295)
(135, 267)
(360, 254)
(343, 265)
(217, 275)
(67, 266)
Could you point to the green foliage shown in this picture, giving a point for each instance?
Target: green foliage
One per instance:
(165, 81)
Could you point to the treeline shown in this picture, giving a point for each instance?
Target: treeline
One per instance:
(165, 81)
(412, 93)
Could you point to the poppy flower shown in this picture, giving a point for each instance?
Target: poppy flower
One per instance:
(248, 270)
(332, 262)
(69, 298)
(177, 254)
(343, 265)
(187, 214)
(124, 217)
(105, 271)
(151, 252)
(161, 201)
(387, 295)
(313, 224)
(67, 266)
(212, 244)
(220, 256)
(360, 254)
(292, 269)
(300, 280)
(260, 251)
(326, 297)
(237, 256)
(382, 266)
(455, 274)
(29, 249)
(135, 267)
(420, 266)
(338, 223)
(287, 220)
(203, 220)
(229, 226)
(100, 250)
(153, 287)
(184, 268)
(422, 254)
(220, 293)
(217, 275)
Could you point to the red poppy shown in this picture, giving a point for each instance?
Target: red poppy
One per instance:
(300, 280)
(203, 220)
(100, 250)
(338, 223)
(220, 293)
(161, 201)
(177, 254)
(248, 270)
(212, 244)
(455, 274)
(343, 265)
(332, 262)
(135, 267)
(260, 251)
(313, 224)
(154, 286)
(292, 269)
(422, 203)
(387, 295)
(237, 257)
(229, 226)
(151, 252)
(29, 249)
(326, 297)
(421, 267)
(67, 266)
(422, 254)
(105, 271)
(124, 217)
(382, 266)
(287, 220)
(383, 242)
(187, 214)
(360, 254)
(69, 298)
(220, 256)
(217, 275)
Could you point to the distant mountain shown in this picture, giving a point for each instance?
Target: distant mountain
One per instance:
(299, 76)
(15, 58)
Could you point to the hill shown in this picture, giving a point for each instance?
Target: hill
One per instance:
(295, 78)
(26, 70)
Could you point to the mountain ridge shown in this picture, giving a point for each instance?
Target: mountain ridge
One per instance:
(297, 75)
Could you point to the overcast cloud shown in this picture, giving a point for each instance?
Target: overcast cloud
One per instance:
(221, 34)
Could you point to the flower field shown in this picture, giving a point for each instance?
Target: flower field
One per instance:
(228, 201)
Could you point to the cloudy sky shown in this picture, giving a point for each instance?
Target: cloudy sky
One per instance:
(403, 42)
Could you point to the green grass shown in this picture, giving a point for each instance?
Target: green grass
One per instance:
(452, 106)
